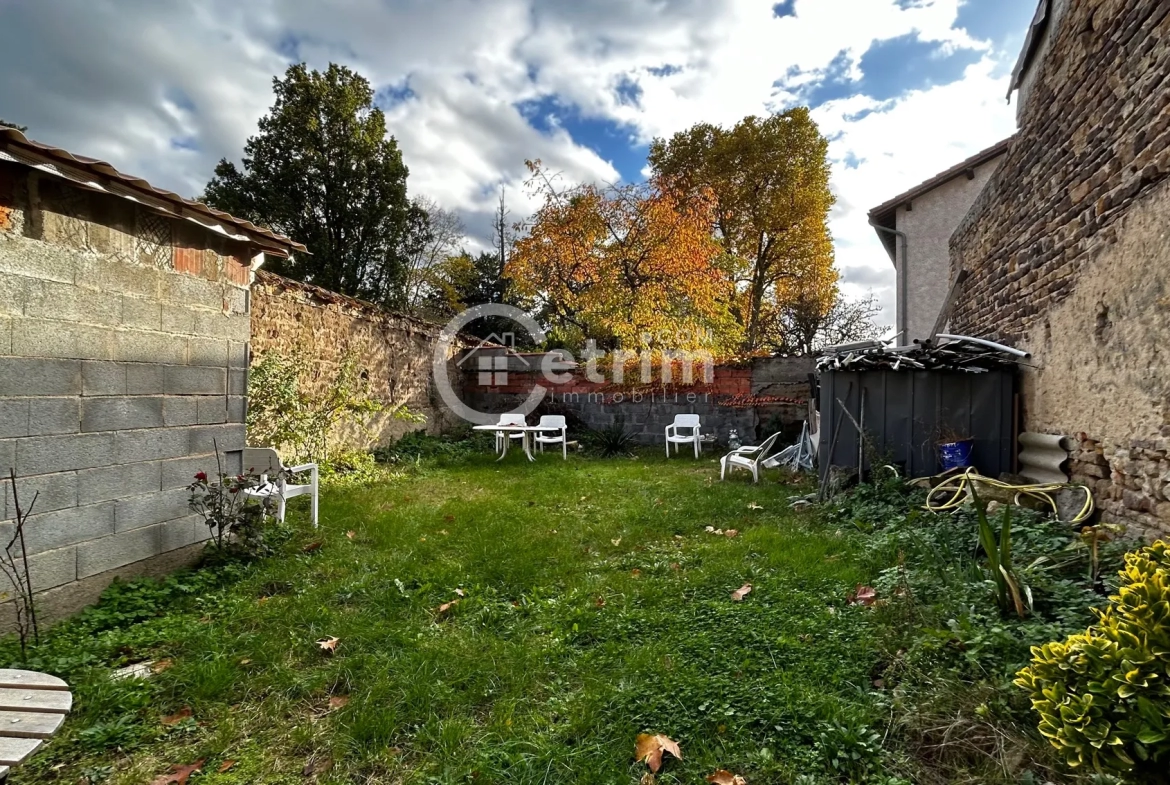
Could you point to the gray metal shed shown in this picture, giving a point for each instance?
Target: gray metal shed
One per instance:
(906, 412)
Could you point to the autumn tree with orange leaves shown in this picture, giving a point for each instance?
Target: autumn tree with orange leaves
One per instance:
(769, 179)
(630, 266)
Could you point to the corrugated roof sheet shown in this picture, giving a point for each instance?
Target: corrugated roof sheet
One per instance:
(101, 176)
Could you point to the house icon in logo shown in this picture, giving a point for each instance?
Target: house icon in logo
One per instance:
(493, 367)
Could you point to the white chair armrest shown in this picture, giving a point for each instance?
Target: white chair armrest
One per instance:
(670, 430)
(302, 468)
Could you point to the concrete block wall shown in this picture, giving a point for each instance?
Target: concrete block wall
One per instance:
(756, 398)
(123, 365)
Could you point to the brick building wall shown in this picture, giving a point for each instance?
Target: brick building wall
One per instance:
(1069, 250)
(123, 338)
(394, 350)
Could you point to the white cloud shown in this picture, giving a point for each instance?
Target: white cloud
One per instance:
(164, 88)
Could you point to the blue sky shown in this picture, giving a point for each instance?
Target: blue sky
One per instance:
(165, 88)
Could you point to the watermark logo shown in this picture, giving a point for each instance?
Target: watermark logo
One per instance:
(491, 367)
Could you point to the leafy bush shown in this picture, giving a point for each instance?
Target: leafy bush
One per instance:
(287, 411)
(1103, 696)
(419, 445)
(610, 442)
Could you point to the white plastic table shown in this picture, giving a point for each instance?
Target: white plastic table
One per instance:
(507, 430)
(32, 707)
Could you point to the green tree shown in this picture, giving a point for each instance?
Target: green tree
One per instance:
(323, 171)
(6, 124)
(770, 181)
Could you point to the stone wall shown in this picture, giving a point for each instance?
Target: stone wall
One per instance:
(394, 351)
(754, 397)
(1069, 250)
(123, 337)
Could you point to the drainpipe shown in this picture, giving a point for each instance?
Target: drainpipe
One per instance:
(902, 329)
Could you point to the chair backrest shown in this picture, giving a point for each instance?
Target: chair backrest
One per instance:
(687, 420)
(262, 460)
(512, 419)
(552, 421)
(767, 446)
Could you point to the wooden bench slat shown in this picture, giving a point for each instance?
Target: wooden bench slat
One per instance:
(15, 751)
(54, 701)
(29, 724)
(30, 680)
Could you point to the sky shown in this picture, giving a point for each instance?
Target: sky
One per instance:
(163, 89)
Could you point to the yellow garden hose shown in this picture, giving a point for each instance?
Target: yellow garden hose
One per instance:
(951, 493)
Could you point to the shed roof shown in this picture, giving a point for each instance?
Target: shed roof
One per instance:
(886, 213)
(100, 176)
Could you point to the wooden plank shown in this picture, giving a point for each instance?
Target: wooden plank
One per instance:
(15, 751)
(944, 315)
(53, 701)
(29, 724)
(30, 680)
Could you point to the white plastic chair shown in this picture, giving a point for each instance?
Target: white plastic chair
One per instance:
(683, 421)
(553, 423)
(509, 419)
(749, 458)
(266, 461)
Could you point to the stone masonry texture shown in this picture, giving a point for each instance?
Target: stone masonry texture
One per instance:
(1069, 251)
(394, 351)
(123, 335)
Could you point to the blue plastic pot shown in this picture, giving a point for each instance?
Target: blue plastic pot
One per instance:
(956, 455)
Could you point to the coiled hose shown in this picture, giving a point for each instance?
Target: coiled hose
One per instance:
(953, 491)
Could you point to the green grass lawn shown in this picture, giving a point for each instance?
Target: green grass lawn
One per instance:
(592, 606)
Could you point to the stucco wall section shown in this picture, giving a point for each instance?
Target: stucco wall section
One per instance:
(928, 223)
(123, 338)
(394, 350)
(1069, 253)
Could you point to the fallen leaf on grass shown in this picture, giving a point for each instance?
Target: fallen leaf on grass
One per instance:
(350, 534)
(725, 777)
(862, 595)
(648, 749)
(262, 600)
(741, 592)
(754, 506)
(315, 766)
(245, 661)
(675, 566)
(312, 547)
(599, 602)
(449, 518)
(731, 533)
(178, 774)
(616, 542)
(227, 764)
(635, 572)
(444, 532)
(328, 645)
(647, 779)
(178, 716)
(447, 606)
(337, 701)
(162, 665)
(460, 592)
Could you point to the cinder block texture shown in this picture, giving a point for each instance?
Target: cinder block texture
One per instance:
(114, 363)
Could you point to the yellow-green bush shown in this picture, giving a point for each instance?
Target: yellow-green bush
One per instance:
(1104, 696)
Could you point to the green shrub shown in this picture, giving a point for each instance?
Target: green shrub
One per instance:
(1103, 696)
(610, 442)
